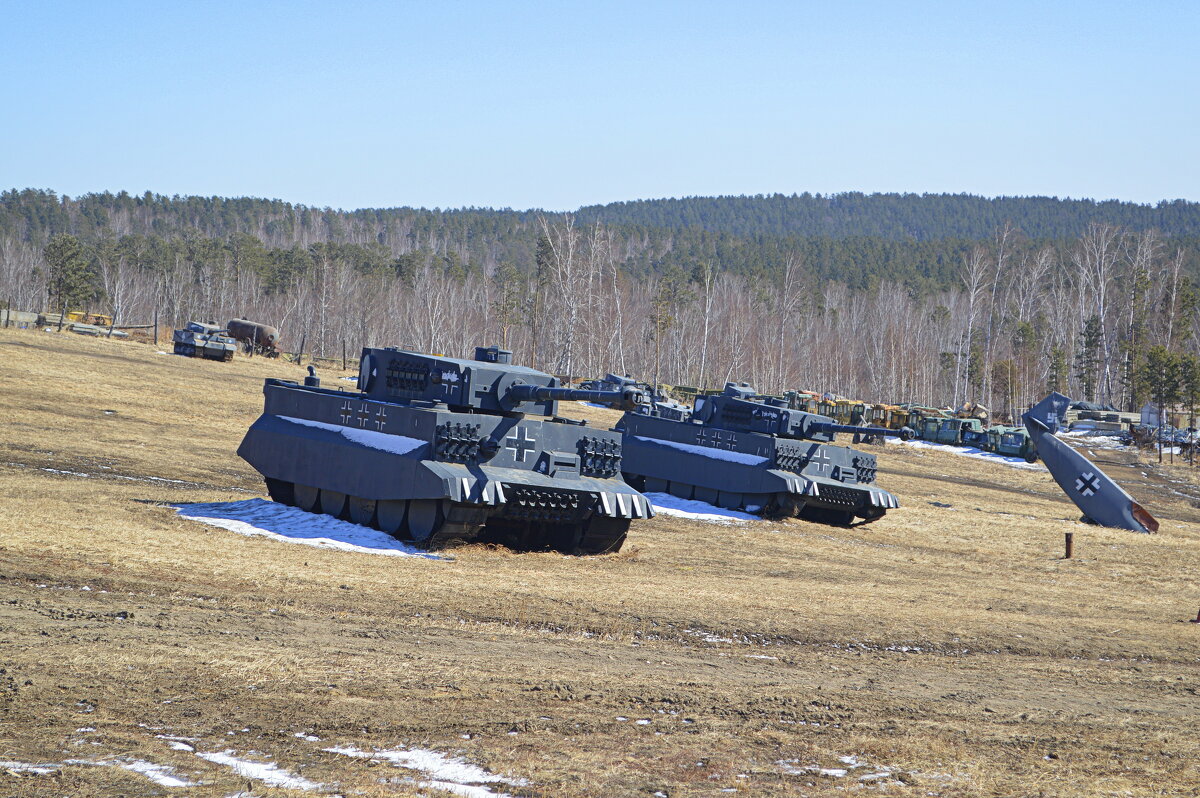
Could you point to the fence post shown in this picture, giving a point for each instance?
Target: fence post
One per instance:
(1070, 545)
(343, 354)
(156, 326)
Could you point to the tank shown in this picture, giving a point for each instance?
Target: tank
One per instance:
(743, 451)
(255, 337)
(437, 449)
(204, 340)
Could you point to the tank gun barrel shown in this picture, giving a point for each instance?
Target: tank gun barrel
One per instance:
(628, 398)
(904, 433)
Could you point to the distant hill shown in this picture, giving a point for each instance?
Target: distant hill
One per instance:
(862, 240)
(922, 217)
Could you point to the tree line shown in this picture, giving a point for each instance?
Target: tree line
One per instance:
(998, 320)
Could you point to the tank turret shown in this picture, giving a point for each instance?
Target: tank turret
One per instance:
(435, 449)
(489, 383)
(741, 450)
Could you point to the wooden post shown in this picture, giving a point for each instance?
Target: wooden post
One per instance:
(156, 326)
(343, 354)
(300, 356)
(7, 313)
(1070, 545)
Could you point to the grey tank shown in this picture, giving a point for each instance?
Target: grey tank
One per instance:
(204, 340)
(435, 449)
(739, 450)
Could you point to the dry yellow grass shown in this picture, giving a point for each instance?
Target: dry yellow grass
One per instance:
(950, 644)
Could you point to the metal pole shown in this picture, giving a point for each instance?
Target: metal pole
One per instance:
(1070, 545)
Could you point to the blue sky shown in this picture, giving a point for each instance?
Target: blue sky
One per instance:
(562, 104)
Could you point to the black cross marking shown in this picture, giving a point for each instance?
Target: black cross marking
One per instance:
(1088, 484)
(820, 460)
(363, 414)
(380, 417)
(347, 412)
(520, 444)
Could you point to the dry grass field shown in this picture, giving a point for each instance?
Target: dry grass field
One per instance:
(945, 650)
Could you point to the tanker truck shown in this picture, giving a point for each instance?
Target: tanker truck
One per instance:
(256, 338)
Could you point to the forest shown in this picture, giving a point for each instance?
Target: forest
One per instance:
(937, 299)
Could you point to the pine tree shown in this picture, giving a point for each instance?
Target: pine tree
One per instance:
(74, 280)
(1056, 380)
(1087, 360)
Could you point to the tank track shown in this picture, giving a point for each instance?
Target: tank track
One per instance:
(773, 505)
(437, 524)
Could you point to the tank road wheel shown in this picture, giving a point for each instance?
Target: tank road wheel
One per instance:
(306, 497)
(824, 515)
(869, 514)
(424, 517)
(281, 491)
(680, 490)
(784, 505)
(756, 502)
(730, 501)
(391, 517)
(602, 535)
(332, 502)
(653, 485)
(706, 495)
(362, 511)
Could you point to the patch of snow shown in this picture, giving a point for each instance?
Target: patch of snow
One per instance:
(593, 404)
(396, 444)
(695, 510)
(259, 517)
(85, 729)
(1092, 439)
(971, 451)
(267, 772)
(705, 451)
(68, 473)
(312, 738)
(445, 773)
(159, 774)
(643, 721)
(180, 746)
(25, 767)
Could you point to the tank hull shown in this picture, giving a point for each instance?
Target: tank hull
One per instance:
(547, 484)
(752, 471)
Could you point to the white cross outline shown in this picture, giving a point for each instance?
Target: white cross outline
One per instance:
(346, 412)
(820, 460)
(1087, 484)
(520, 443)
(380, 417)
(364, 414)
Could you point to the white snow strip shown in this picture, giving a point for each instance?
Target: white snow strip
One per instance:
(180, 746)
(25, 767)
(267, 772)
(396, 444)
(705, 451)
(695, 510)
(465, 790)
(159, 774)
(970, 451)
(446, 773)
(259, 517)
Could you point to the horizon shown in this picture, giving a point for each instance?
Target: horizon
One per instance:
(537, 105)
(464, 208)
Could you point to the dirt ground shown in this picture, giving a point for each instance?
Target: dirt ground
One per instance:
(946, 650)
